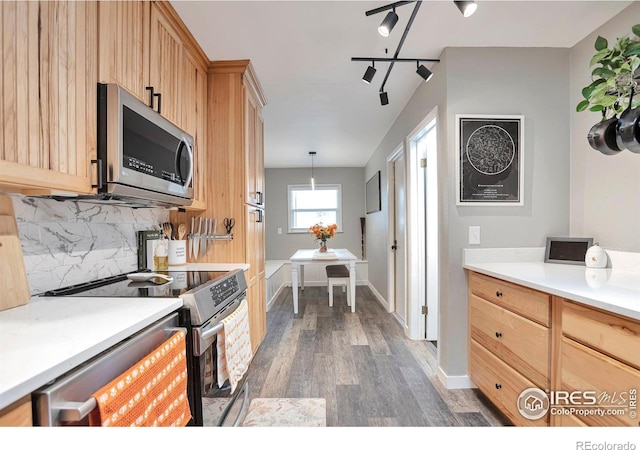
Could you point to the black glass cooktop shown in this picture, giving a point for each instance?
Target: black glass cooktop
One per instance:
(121, 286)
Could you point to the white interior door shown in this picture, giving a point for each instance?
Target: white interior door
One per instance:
(400, 239)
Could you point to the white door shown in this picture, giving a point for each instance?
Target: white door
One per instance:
(400, 239)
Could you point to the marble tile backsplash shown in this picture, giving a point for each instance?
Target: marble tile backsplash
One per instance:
(66, 243)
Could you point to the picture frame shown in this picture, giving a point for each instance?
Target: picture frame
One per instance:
(372, 194)
(489, 160)
(567, 250)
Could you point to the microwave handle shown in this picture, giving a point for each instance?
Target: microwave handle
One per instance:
(184, 144)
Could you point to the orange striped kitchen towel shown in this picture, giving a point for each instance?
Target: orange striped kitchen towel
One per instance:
(153, 392)
(234, 346)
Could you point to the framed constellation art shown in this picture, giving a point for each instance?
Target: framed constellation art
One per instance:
(489, 160)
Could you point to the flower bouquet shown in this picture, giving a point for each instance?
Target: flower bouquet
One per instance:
(322, 233)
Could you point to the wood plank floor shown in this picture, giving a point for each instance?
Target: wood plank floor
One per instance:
(369, 373)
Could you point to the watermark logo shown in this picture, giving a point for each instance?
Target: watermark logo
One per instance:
(533, 403)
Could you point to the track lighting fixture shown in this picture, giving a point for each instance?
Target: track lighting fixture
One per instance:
(313, 181)
(424, 72)
(369, 73)
(466, 8)
(388, 23)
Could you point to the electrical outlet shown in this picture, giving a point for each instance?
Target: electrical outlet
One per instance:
(474, 235)
(279, 230)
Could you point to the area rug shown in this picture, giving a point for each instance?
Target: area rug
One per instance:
(286, 412)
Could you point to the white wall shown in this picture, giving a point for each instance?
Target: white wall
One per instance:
(532, 82)
(605, 190)
(282, 246)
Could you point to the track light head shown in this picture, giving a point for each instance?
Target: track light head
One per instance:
(369, 73)
(467, 8)
(424, 72)
(384, 98)
(388, 23)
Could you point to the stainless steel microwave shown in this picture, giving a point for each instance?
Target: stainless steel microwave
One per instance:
(143, 158)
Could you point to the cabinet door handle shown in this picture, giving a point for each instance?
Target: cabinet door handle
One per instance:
(98, 163)
(498, 294)
(259, 195)
(259, 216)
(498, 334)
(151, 97)
(498, 386)
(159, 102)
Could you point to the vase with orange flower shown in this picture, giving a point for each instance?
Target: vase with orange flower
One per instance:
(322, 233)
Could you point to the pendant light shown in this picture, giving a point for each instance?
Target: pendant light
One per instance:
(313, 181)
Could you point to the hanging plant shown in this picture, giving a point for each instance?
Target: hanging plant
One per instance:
(614, 75)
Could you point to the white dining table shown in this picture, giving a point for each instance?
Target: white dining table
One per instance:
(311, 256)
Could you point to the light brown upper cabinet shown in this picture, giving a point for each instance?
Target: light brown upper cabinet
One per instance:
(146, 48)
(48, 100)
(124, 45)
(254, 154)
(194, 120)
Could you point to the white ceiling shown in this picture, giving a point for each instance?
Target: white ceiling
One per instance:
(316, 100)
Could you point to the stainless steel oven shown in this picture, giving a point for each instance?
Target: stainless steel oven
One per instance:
(67, 401)
(208, 298)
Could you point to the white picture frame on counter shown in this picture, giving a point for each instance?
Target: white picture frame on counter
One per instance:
(489, 160)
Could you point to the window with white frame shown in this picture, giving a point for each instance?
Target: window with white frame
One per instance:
(309, 206)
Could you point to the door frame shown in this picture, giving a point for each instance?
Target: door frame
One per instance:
(391, 202)
(422, 233)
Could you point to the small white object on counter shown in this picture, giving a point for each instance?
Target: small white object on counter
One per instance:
(596, 257)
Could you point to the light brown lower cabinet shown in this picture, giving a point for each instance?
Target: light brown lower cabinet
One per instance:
(500, 383)
(17, 414)
(586, 352)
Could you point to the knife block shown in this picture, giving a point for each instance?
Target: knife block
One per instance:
(13, 276)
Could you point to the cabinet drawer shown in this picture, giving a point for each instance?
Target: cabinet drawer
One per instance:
(605, 332)
(584, 369)
(521, 343)
(502, 384)
(530, 303)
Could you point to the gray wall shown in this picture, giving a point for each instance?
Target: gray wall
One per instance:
(284, 245)
(532, 82)
(605, 190)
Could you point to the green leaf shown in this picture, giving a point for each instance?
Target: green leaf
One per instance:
(595, 59)
(636, 29)
(635, 63)
(582, 105)
(608, 100)
(603, 72)
(625, 68)
(596, 108)
(601, 43)
(633, 51)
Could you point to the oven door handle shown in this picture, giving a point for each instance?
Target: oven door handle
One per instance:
(76, 411)
(212, 331)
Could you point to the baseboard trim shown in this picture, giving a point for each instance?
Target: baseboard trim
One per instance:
(455, 382)
(272, 300)
(380, 298)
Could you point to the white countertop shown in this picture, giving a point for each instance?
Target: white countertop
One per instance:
(50, 336)
(610, 289)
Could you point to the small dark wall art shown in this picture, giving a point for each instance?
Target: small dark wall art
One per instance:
(489, 160)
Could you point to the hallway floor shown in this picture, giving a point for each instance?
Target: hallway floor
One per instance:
(369, 373)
